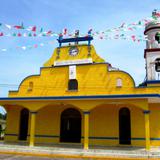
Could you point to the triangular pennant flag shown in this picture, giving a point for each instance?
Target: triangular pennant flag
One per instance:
(64, 31)
(14, 34)
(18, 27)
(19, 35)
(24, 35)
(49, 32)
(30, 34)
(8, 26)
(139, 23)
(36, 45)
(41, 30)
(34, 28)
(3, 49)
(23, 47)
(1, 34)
(42, 44)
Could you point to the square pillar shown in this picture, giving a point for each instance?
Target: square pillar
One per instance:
(147, 129)
(32, 129)
(86, 130)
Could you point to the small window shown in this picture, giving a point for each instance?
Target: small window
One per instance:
(157, 37)
(119, 82)
(73, 84)
(30, 88)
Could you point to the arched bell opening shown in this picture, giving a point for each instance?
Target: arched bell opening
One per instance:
(157, 69)
(157, 37)
(157, 65)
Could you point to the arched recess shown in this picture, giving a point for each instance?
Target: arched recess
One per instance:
(23, 128)
(70, 126)
(124, 126)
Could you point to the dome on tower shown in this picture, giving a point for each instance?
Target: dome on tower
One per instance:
(152, 31)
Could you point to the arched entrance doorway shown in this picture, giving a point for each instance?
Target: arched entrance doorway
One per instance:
(23, 131)
(70, 129)
(124, 126)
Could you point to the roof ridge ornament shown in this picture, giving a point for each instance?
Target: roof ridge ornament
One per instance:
(75, 39)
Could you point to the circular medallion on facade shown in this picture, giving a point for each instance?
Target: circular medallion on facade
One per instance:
(73, 51)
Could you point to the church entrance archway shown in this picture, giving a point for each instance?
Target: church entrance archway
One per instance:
(70, 129)
(23, 131)
(124, 126)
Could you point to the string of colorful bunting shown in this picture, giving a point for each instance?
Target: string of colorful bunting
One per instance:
(34, 31)
(109, 34)
(23, 48)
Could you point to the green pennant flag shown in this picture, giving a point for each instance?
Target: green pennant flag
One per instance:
(29, 47)
(30, 34)
(139, 23)
(41, 30)
(121, 35)
(14, 34)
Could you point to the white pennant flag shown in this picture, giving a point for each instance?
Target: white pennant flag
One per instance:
(42, 44)
(3, 49)
(24, 35)
(24, 47)
(8, 26)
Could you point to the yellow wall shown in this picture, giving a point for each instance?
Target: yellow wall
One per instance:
(13, 123)
(154, 123)
(93, 79)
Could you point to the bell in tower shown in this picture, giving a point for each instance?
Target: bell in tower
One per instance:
(152, 51)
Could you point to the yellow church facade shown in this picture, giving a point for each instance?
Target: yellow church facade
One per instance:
(78, 98)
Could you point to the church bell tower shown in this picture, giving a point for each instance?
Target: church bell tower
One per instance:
(152, 51)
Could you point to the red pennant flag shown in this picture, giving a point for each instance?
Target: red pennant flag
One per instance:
(49, 32)
(64, 31)
(1, 34)
(34, 29)
(34, 35)
(133, 38)
(36, 45)
(18, 27)
(130, 29)
(19, 35)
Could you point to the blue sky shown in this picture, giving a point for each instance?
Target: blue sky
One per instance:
(71, 14)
